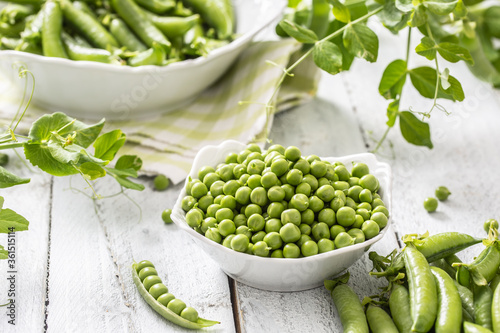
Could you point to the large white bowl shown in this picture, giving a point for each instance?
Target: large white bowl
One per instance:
(281, 274)
(93, 90)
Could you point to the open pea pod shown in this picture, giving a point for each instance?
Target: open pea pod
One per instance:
(164, 311)
(483, 269)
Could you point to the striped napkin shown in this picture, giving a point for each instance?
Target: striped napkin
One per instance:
(233, 108)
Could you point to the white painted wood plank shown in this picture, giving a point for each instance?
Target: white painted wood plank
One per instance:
(185, 269)
(33, 202)
(326, 127)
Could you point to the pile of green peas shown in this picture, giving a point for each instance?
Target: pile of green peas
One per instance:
(276, 203)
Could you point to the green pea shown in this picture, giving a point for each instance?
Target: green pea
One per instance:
(252, 209)
(176, 306)
(303, 188)
(256, 222)
(279, 166)
(336, 204)
(218, 199)
(239, 170)
(312, 158)
(244, 230)
(309, 248)
(369, 182)
(188, 203)
(225, 172)
(278, 148)
(316, 204)
(244, 179)
(360, 169)
(294, 177)
(340, 194)
(273, 240)
(166, 216)
(430, 204)
(353, 181)
(269, 180)
(305, 229)
(370, 229)
(261, 249)
(205, 201)
(330, 173)
(165, 299)
(335, 230)
(190, 184)
(343, 239)
(291, 250)
(290, 233)
(190, 314)
(158, 289)
(210, 178)
(327, 215)
(212, 209)
(292, 153)
(205, 171)
(289, 191)
(231, 158)
(307, 216)
(377, 202)
(326, 193)
(243, 155)
(194, 218)
(214, 235)
(442, 193)
(255, 167)
(227, 241)
(341, 186)
(258, 196)
(242, 195)
(240, 243)
(276, 193)
(303, 238)
(258, 236)
(381, 209)
(228, 201)
(320, 230)
(365, 214)
(151, 281)
(300, 202)
(230, 187)
(277, 254)
(291, 215)
(380, 218)
(357, 234)
(239, 220)
(208, 222)
(275, 209)
(490, 223)
(226, 227)
(318, 169)
(364, 205)
(217, 188)
(325, 245)
(303, 166)
(144, 263)
(161, 182)
(147, 271)
(312, 181)
(224, 214)
(365, 196)
(343, 173)
(358, 222)
(350, 203)
(354, 192)
(273, 224)
(346, 216)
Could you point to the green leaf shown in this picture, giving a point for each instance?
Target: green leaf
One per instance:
(455, 89)
(440, 7)
(445, 77)
(120, 176)
(107, 145)
(392, 112)
(328, 57)
(460, 10)
(298, 32)
(391, 17)
(39, 155)
(8, 179)
(340, 11)
(66, 155)
(426, 48)
(92, 171)
(361, 41)
(405, 6)
(424, 80)
(454, 52)
(123, 172)
(347, 58)
(492, 20)
(4, 254)
(393, 79)
(413, 130)
(11, 221)
(418, 17)
(43, 128)
(129, 184)
(129, 162)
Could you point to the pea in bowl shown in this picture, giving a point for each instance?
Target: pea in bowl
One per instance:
(92, 90)
(283, 274)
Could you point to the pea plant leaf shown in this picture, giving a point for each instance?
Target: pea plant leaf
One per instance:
(424, 80)
(8, 179)
(392, 112)
(405, 6)
(414, 131)
(340, 11)
(393, 18)
(298, 32)
(121, 177)
(418, 17)
(460, 10)
(347, 58)
(426, 48)
(107, 145)
(361, 41)
(393, 79)
(91, 170)
(10, 221)
(445, 79)
(454, 53)
(129, 162)
(328, 57)
(440, 7)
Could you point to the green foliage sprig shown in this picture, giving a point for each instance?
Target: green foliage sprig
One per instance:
(335, 33)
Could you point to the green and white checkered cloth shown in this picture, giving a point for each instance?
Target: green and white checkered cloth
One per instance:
(168, 143)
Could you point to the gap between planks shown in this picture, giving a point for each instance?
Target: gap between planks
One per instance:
(46, 303)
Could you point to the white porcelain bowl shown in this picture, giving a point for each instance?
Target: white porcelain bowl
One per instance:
(281, 274)
(93, 90)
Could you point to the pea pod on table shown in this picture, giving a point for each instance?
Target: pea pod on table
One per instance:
(449, 316)
(399, 304)
(467, 299)
(495, 310)
(474, 328)
(484, 268)
(379, 321)
(483, 296)
(157, 296)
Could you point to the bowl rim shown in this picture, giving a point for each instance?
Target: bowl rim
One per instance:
(239, 41)
(178, 215)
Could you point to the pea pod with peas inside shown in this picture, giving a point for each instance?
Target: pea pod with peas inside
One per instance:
(484, 268)
(217, 13)
(449, 316)
(157, 296)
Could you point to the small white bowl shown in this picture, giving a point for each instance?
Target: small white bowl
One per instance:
(93, 90)
(282, 274)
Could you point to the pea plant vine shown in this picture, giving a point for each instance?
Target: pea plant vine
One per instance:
(335, 32)
(59, 145)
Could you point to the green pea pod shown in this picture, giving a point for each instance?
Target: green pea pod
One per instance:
(88, 26)
(157, 6)
(84, 7)
(217, 13)
(52, 44)
(125, 36)
(467, 299)
(449, 317)
(33, 28)
(441, 263)
(166, 312)
(379, 321)
(441, 245)
(9, 43)
(399, 304)
(173, 26)
(135, 18)
(473, 328)
(495, 310)
(422, 288)
(78, 52)
(352, 315)
(484, 268)
(13, 13)
(483, 296)
(154, 56)
(12, 30)
(495, 282)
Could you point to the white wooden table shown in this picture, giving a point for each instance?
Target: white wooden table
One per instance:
(73, 265)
